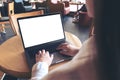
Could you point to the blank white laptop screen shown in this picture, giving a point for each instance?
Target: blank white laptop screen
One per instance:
(42, 29)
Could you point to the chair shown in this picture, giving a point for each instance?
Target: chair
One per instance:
(21, 6)
(5, 20)
(67, 7)
(13, 19)
(57, 6)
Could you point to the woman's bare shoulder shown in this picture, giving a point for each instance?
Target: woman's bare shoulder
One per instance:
(88, 48)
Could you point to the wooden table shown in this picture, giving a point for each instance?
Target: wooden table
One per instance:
(13, 60)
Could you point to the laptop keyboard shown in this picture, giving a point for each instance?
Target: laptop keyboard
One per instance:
(35, 51)
(57, 56)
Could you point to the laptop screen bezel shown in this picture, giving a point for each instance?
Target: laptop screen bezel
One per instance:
(52, 42)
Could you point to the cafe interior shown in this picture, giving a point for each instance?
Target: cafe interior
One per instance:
(10, 10)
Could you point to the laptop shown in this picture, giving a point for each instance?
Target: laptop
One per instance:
(42, 32)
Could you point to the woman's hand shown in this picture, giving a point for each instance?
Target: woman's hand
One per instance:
(68, 49)
(43, 56)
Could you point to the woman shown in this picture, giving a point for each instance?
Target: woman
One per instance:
(82, 67)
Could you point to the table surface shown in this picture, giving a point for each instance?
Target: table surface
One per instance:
(13, 60)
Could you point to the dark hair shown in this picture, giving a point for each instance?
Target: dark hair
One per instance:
(107, 28)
